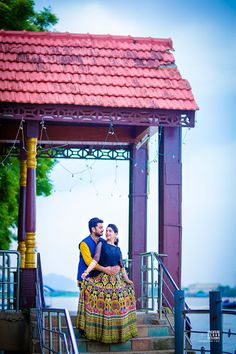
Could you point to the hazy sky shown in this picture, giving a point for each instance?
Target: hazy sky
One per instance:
(204, 38)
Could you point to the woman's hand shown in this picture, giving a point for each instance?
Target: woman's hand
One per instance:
(128, 281)
(84, 275)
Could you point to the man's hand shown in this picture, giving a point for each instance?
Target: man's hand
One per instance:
(107, 270)
(115, 270)
(111, 270)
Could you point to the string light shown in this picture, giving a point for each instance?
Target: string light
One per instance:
(116, 187)
(89, 167)
(20, 128)
(185, 136)
(112, 132)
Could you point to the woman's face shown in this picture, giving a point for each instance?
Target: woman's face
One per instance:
(110, 235)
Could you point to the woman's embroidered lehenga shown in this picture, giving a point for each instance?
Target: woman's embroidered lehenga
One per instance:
(107, 306)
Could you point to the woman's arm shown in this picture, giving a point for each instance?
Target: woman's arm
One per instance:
(123, 271)
(125, 276)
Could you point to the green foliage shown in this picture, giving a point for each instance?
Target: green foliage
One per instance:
(44, 184)
(44, 19)
(9, 194)
(9, 191)
(20, 15)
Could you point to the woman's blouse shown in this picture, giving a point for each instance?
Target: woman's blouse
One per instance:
(108, 255)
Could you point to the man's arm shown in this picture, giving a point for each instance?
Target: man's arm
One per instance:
(84, 249)
(108, 270)
(86, 254)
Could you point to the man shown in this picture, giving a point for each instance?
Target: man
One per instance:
(87, 249)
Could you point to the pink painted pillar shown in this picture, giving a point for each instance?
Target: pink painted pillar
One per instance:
(22, 206)
(137, 213)
(30, 226)
(28, 274)
(170, 200)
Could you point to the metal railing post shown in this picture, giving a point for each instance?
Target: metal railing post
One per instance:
(9, 280)
(142, 280)
(215, 334)
(160, 290)
(54, 338)
(179, 321)
(8, 266)
(17, 291)
(152, 279)
(3, 280)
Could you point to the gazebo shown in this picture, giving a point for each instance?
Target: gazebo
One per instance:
(78, 88)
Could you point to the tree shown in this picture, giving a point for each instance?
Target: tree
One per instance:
(20, 15)
(9, 194)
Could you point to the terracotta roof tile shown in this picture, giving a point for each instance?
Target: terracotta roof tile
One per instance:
(93, 70)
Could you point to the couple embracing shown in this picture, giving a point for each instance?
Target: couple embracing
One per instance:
(107, 306)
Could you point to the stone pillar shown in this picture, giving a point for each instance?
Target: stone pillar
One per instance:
(22, 207)
(137, 213)
(170, 200)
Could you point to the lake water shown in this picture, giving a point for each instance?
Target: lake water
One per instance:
(198, 322)
(201, 323)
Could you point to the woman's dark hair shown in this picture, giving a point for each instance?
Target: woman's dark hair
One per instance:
(115, 229)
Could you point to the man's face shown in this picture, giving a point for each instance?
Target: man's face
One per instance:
(98, 230)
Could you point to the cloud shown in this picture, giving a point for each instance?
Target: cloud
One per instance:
(204, 52)
(62, 218)
(208, 222)
(204, 49)
(205, 59)
(95, 19)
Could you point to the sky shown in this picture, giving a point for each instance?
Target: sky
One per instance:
(204, 38)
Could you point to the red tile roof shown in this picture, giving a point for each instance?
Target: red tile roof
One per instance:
(91, 70)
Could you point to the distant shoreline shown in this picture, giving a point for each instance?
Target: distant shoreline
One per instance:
(62, 293)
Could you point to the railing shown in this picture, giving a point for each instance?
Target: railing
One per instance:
(57, 332)
(55, 328)
(214, 335)
(157, 284)
(158, 287)
(158, 291)
(9, 280)
(128, 266)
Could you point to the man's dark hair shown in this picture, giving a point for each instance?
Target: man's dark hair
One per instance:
(93, 223)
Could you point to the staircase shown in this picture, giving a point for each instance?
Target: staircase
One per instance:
(154, 337)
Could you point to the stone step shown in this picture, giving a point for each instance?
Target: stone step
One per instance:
(154, 336)
(153, 330)
(142, 318)
(149, 318)
(143, 331)
(172, 351)
(138, 344)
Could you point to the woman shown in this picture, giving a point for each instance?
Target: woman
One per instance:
(107, 307)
